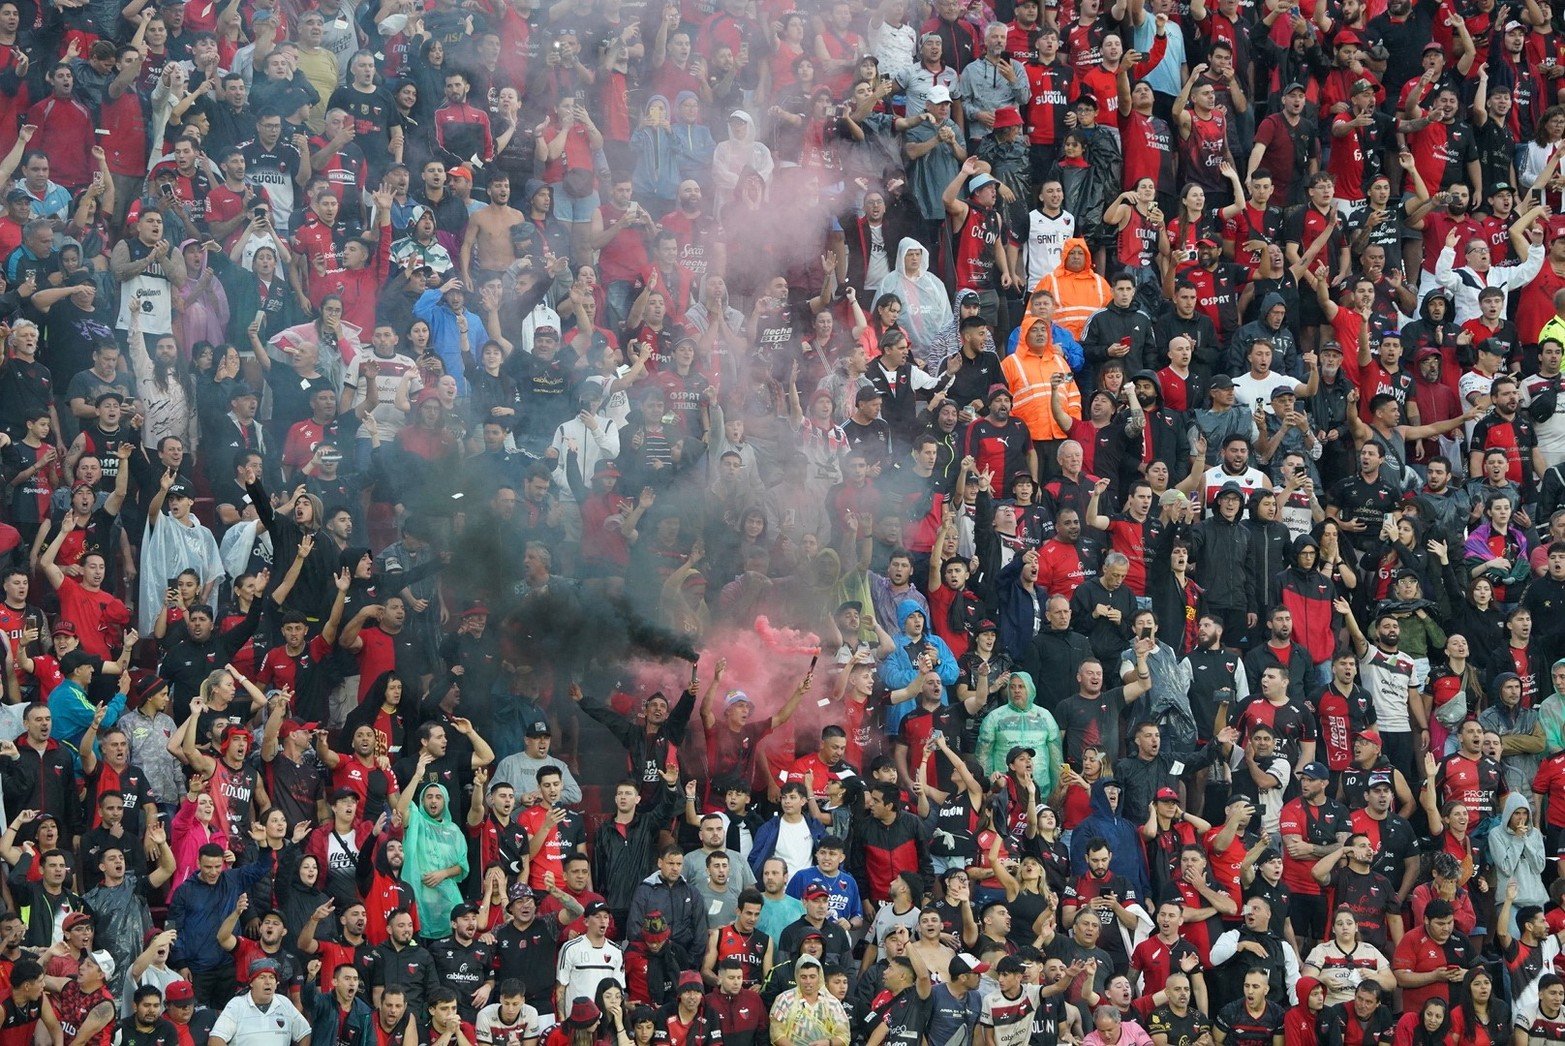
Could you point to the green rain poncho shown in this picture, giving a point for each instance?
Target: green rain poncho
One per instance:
(430, 845)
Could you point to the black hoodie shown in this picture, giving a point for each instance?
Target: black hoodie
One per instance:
(1168, 433)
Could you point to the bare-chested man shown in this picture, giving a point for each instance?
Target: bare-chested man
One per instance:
(489, 231)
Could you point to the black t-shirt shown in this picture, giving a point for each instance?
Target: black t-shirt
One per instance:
(1242, 1029)
(1360, 499)
(527, 955)
(905, 1015)
(1091, 721)
(1179, 1031)
(162, 1033)
(463, 968)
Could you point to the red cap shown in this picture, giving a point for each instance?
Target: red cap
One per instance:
(815, 890)
(179, 991)
(1556, 919)
(64, 628)
(1372, 736)
(1347, 36)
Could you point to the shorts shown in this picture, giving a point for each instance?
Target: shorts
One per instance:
(568, 208)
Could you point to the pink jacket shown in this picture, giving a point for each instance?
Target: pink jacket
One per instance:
(186, 840)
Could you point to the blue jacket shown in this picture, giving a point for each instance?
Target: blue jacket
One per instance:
(72, 714)
(1128, 858)
(1063, 338)
(325, 1019)
(196, 910)
(1015, 608)
(898, 670)
(444, 338)
(766, 840)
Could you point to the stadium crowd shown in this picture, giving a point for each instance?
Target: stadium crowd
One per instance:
(782, 523)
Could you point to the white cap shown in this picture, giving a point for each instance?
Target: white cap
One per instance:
(937, 94)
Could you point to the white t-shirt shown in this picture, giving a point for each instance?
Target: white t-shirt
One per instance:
(1248, 389)
(795, 845)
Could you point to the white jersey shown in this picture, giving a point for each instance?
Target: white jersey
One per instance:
(1250, 480)
(1551, 433)
(1387, 677)
(150, 292)
(582, 966)
(492, 1028)
(1045, 241)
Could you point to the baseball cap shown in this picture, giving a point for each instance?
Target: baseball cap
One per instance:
(181, 490)
(538, 728)
(1317, 771)
(1231, 487)
(17, 196)
(475, 609)
(1207, 241)
(937, 94)
(465, 908)
(604, 467)
(814, 891)
(1166, 794)
(1294, 86)
(179, 993)
(1372, 736)
(986, 626)
(594, 908)
(1332, 346)
(1347, 36)
(64, 628)
(1283, 390)
(965, 963)
(1221, 381)
(460, 171)
(978, 181)
(1010, 757)
(105, 963)
(1380, 779)
(76, 919)
(737, 697)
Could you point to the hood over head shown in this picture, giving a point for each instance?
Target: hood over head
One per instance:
(1157, 384)
(744, 133)
(1423, 306)
(906, 609)
(910, 244)
(1305, 985)
(1100, 798)
(1061, 272)
(1270, 302)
